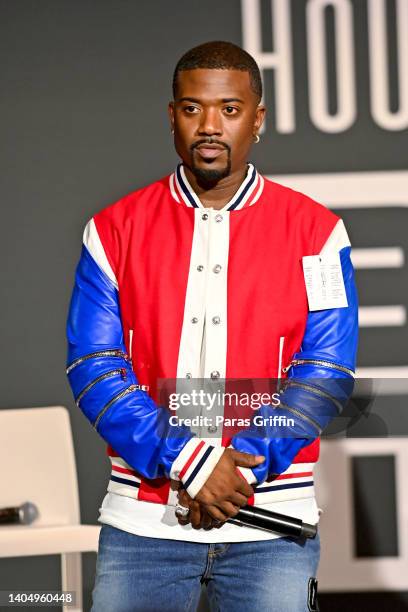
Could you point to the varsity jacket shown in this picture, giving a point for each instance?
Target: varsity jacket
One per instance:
(155, 268)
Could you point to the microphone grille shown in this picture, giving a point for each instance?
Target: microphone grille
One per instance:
(28, 513)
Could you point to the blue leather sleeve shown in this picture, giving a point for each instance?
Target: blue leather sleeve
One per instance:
(104, 384)
(319, 384)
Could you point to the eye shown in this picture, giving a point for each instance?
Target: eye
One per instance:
(230, 110)
(190, 109)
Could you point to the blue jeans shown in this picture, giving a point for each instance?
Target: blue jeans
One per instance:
(134, 573)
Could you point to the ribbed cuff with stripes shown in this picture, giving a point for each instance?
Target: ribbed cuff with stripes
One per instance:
(194, 464)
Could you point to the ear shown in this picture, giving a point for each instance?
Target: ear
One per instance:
(259, 117)
(170, 110)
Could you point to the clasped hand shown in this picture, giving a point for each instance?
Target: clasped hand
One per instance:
(222, 495)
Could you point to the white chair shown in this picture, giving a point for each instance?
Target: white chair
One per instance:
(38, 465)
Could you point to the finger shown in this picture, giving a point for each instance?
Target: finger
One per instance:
(238, 499)
(228, 508)
(184, 498)
(206, 521)
(195, 516)
(244, 488)
(216, 513)
(216, 525)
(246, 459)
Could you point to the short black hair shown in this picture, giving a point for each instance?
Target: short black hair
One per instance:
(222, 55)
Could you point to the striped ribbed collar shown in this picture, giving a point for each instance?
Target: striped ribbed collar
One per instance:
(247, 194)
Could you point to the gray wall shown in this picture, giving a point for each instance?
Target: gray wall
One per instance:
(83, 121)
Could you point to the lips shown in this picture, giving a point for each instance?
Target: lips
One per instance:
(210, 151)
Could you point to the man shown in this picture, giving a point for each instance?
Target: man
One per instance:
(199, 276)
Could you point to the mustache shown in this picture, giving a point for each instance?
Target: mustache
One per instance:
(210, 140)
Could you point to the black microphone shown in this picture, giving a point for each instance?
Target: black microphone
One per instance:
(22, 515)
(253, 516)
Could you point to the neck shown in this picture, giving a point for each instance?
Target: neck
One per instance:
(218, 194)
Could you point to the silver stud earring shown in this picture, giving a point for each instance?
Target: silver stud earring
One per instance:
(256, 138)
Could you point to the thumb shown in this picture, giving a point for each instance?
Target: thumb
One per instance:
(247, 460)
(184, 498)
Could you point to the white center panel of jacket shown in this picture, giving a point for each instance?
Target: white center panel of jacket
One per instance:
(203, 343)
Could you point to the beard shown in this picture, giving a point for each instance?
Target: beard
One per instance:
(209, 176)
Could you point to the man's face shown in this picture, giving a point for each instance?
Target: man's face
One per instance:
(215, 116)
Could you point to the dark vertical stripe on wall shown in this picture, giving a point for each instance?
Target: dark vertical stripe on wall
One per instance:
(329, 22)
(268, 43)
(375, 509)
(394, 92)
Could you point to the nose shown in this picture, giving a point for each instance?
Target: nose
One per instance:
(210, 124)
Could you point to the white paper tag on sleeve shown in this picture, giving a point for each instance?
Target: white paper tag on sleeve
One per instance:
(324, 282)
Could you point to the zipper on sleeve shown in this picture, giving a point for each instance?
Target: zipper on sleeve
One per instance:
(311, 421)
(293, 383)
(114, 399)
(102, 353)
(121, 372)
(319, 362)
